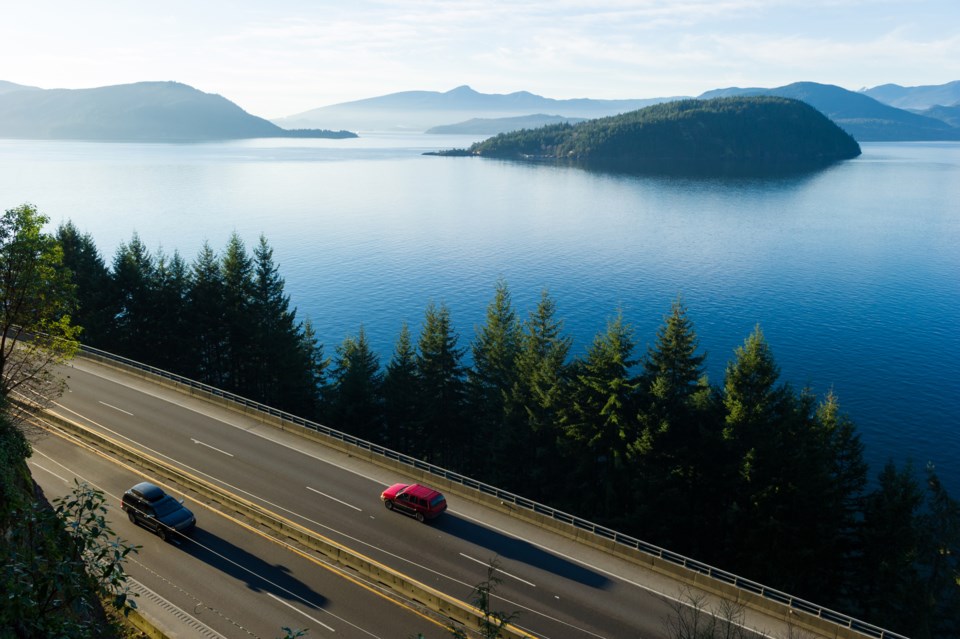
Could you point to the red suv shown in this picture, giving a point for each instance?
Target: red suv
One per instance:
(413, 499)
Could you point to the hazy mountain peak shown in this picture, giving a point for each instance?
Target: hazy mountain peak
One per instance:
(918, 97)
(866, 118)
(149, 110)
(422, 110)
(6, 87)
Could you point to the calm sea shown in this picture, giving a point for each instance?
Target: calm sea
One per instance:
(853, 273)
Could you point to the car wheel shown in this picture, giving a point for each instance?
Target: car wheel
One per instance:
(388, 504)
(162, 533)
(420, 517)
(131, 516)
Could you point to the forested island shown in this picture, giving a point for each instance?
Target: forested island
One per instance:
(747, 133)
(747, 473)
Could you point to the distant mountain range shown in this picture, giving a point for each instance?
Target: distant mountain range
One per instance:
(170, 111)
(144, 111)
(917, 98)
(463, 110)
(421, 110)
(862, 116)
(493, 126)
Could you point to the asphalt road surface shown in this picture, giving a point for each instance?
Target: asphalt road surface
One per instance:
(225, 579)
(559, 589)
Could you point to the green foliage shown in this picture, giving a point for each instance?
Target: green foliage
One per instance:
(537, 399)
(236, 268)
(889, 568)
(357, 388)
(760, 131)
(400, 396)
(206, 315)
(599, 418)
(15, 482)
(677, 437)
(95, 309)
(59, 563)
(495, 427)
(224, 320)
(36, 333)
(909, 565)
(654, 449)
(441, 388)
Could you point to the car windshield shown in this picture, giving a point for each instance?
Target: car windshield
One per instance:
(166, 506)
(436, 501)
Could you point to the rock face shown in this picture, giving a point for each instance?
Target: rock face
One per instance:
(146, 111)
(741, 132)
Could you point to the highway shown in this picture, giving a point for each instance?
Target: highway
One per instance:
(559, 589)
(226, 580)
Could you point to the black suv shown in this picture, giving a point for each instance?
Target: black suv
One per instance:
(146, 504)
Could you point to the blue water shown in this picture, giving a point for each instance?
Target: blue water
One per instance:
(853, 272)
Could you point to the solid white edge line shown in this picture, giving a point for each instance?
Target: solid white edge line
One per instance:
(117, 409)
(197, 441)
(33, 463)
(360, 510)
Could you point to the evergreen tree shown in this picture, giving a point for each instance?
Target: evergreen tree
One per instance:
(891, 587)
(358, 389)
(837, 506)
(441, 392)
(311, 354)
(493, 374)
(679, 436)
(940, 560)
(135, 280)
(752, 399)
(238, 331)
(281, 373)
(672, 376)
(600, 420)
(538, 396)
(172, 286)
(758, 410)
(95, 304)
(400, 390)
(206, 318)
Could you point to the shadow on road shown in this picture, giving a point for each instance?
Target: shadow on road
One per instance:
(502, 545)
(259, 575)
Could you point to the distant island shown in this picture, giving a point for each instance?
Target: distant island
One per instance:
(143, 111)
(739, 133)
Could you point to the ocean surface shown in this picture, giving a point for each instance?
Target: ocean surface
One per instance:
(852, 272)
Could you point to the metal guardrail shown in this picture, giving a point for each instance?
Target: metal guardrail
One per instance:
(794, 603)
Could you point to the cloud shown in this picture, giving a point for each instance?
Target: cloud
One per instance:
(293, 55)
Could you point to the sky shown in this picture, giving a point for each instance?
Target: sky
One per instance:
(276, 58)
